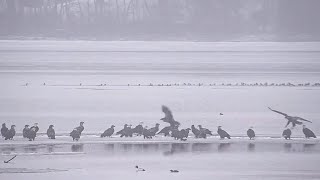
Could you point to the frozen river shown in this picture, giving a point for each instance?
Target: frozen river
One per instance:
(64, 65)
(65, 82)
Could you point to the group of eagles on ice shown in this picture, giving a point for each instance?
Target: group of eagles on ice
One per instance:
(172, 130)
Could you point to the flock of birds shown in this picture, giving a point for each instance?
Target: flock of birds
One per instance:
(202, 84)
(148, 133)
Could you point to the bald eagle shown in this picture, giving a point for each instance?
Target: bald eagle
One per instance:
(308, 133)
(169, 117)
(291, 119)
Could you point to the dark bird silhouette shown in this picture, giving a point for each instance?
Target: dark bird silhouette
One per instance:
(175, 133)
(126, 131)
(75, 134)
(287, 133)
(183, 134)
(10, 159)
(169, 117)
(35, 127)
(251, 134)
(197, 133)
(308, 133)
(222, 133)
(154, 130)
(10, 133)
(139, 169)
(108, 132)
(174, 171)
(138, 130)
(80, 128)
(4, 129)
(221, 114)
(205, 130)
(32, 132)
(146, 133)
(121, 132)
(166, 131)
(25, 131)
(51, 133)
(291, 119)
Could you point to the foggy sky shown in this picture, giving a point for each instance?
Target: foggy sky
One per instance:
(288, 20)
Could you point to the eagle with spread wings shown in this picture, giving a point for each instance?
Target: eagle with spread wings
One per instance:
(291, 119)
(169, 117)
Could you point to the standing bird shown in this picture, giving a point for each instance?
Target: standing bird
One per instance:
(4, 130)
(196, 132)
(166, 131)
(25, 131)
(35, 127)
(205, 130)
(32, 132)
(126, 131)
(51, 133)
(291, 119)
(80, 128)
(108, 132)
(308, 133)
(251, 134)
(75, 134)
(183, 134)
(175, 133)
(121, 132)
(146, 133)
(287, 133)
(138, 130)
(222, 133)
(169, 117)
(154, 130)
(10, 133)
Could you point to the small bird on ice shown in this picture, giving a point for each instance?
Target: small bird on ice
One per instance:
(139, 169)
(174, 171)
(221, 114)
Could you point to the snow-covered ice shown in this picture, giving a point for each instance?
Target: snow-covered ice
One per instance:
(62, 101)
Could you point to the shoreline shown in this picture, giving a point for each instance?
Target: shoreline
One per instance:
(157, 140)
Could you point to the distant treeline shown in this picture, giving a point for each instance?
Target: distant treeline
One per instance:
(162, 19)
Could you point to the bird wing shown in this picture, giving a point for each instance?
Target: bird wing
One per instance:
(168, 116)
(278, 112)
(304, 119)
(167, 112)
